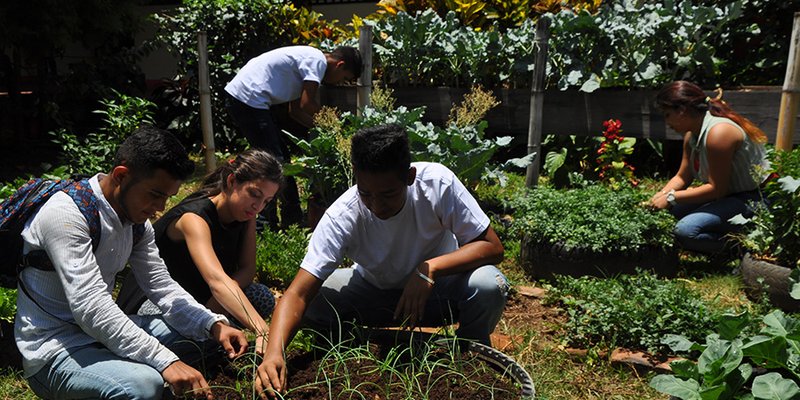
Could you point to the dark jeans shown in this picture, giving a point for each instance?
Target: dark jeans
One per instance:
(705, 228)
(262, 132)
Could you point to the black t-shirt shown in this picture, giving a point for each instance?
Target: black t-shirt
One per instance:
(226, 241)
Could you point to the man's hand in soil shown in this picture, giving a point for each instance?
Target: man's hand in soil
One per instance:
(232, 340)
(186, 381)
(411, 306)
(271, 376)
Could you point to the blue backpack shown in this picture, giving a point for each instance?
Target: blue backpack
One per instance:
(18, 209)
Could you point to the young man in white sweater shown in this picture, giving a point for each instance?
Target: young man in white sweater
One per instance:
(74, 339)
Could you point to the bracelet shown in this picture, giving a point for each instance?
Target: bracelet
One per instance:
(425, 277)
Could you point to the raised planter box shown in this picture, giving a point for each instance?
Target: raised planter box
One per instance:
(573, 112)
(544, 261)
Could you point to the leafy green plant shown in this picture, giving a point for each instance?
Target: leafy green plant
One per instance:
(461, 145)
(639, 44)
(631, 311)
(773, 233)
(325, 159)
(122, 115)
(431, 50)
(567, 161)
(8, 304)
(595, 218)
(279, 254)
(725, 368)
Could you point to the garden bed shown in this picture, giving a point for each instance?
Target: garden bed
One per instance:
(389, 365)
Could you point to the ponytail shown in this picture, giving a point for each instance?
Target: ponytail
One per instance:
(687, 95)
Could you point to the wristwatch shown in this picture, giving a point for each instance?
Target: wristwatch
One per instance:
(671, 198)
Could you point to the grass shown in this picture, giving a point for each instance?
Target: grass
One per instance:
(14, 386)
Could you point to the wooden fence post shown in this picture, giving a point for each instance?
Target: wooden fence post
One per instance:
(364, 84)
(791, 89)
(205, 102)
(537, 99)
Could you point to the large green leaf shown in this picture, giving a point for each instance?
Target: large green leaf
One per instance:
(773, 386)
(682, 389)
(766, 351)
(720, 358)
(685, 369)
(730, 325)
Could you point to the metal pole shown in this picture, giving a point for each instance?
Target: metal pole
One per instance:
(791, 88)
(364, 85)
(537, 98)
(205, 102)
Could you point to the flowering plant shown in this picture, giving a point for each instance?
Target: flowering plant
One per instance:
(611, 165)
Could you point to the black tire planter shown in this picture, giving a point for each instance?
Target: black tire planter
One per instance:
(506, 364)
(503, 363)
(545, 260)
(775, 278)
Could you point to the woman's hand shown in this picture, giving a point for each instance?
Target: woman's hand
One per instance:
(659, 201)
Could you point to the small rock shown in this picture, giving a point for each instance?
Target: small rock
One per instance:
(530, 291)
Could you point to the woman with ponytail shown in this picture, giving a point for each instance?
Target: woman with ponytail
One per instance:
(208, 241)
(724, 152)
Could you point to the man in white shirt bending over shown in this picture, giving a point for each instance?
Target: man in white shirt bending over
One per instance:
(257, 95)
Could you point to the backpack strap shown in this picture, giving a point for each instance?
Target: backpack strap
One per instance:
(82, 194)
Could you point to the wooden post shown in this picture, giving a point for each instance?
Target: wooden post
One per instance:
(791, 91)
(205, 102)
(537, 99)
(364, 85)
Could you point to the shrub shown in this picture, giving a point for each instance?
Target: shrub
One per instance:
(123, 115)
(597, 218)
(428, 50)
(279, 254)
(461, 145)
(639, 45)
(631, 311)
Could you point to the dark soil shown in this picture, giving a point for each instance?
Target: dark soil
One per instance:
(378, 370)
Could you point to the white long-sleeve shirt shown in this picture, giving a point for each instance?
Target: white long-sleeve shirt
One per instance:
(75, 304)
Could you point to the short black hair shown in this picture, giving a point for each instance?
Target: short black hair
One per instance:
(149, 149)
(351, 57)
(381, 148)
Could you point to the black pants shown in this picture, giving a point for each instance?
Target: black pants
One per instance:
(262, 132)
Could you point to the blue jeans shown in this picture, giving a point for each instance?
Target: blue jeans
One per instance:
(704, 227)
(475, 299)
(94, 372)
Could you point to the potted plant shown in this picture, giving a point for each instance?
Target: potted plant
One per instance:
(772, 236)
(593, 230)
(602, 229)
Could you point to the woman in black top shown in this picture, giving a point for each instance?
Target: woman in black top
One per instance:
(208, 241)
